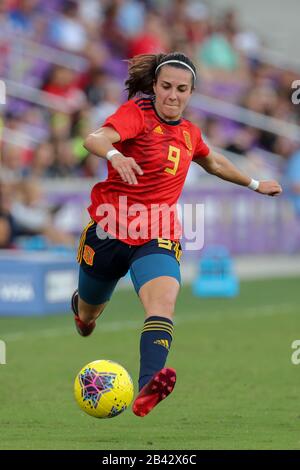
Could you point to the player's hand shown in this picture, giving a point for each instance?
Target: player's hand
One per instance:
(126, 167)
(270, 188)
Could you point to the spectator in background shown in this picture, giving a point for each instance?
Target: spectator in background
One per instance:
(33, 217)
(153, 39)
(176, 19)
(94, 88)
(91, 13)
(131, 16)
(91, 167)
(12, 161)
(26, 217)
(111, 33)
(214, 132)
(284, 147)
(219, 57)
(243, 141)
(34, 122)
(14, 133)
(12, 121)
(197, 21)
(63, 82)
(25, 16)
(292, 177)
(217, 53)
(292, 187)
(65, 162)
(42, 160)
(7, 29)
(67, 30)
(262, 99)
(5, 231)
(80, 126)
(95, 56)
(28, 208)
(7, 226)
(110, 102)
(61, 124)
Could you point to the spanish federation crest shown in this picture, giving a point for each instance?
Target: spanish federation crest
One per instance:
(88, 255)
(188, 142)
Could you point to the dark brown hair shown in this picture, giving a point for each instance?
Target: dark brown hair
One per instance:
(142, 71)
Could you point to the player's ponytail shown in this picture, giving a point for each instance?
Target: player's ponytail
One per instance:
(142, 74)
(144, 69)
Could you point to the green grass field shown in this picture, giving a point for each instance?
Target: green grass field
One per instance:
(236, 386)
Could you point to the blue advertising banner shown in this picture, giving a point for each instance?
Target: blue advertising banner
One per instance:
(36, 283)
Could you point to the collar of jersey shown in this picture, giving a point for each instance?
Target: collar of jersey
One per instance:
(171, 123)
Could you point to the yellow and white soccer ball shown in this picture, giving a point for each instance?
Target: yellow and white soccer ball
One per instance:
(103, 389)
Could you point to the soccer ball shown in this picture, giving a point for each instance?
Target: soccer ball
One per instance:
(103, 389)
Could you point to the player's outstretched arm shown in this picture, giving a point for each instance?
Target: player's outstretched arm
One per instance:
(218, 165)
(101, 142)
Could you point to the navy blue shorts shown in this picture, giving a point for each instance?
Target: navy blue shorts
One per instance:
(104, 261)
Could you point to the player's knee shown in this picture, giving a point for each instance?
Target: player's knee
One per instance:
(163, 305)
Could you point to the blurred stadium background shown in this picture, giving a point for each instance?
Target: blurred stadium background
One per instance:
(63, 65)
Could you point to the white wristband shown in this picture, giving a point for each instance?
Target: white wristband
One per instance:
(253, 184)
(111, 153)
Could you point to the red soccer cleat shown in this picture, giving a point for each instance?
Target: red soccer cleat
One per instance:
(159, 387)
(83, 329)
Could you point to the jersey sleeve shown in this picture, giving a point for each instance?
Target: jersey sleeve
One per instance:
(128, 120)
(201, 150)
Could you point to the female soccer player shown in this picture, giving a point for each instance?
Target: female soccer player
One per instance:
(149, 147)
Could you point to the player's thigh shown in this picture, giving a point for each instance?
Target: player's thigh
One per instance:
(94, 293)
(156, 279)
(100, 256)
(102, 264)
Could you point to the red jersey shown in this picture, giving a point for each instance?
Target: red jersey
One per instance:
(164, 150)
